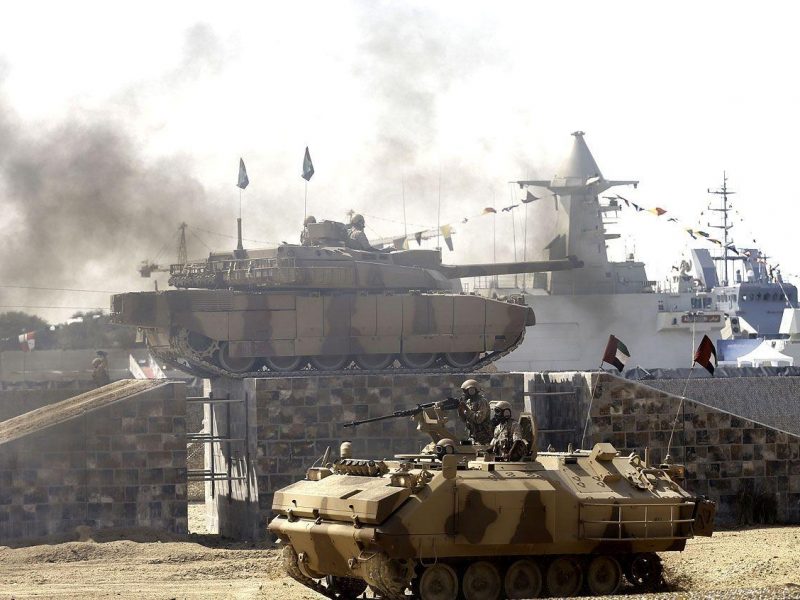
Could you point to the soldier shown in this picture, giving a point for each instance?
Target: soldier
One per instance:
(100, 372)
(507, 443)
(305, 238)
(358, 239)
(474, 410)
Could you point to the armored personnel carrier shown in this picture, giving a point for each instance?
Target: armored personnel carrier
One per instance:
(327, 307)
(443, 526)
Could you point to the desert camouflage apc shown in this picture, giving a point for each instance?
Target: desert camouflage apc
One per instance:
(327, 307)
(470, 525)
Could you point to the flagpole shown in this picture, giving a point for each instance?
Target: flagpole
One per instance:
(305, 202)
(439, 210)
(677, 415)
(591, 400)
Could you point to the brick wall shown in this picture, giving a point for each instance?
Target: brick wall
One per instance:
(292, 422)
(121, 465)
(749, 469)
(17, 402)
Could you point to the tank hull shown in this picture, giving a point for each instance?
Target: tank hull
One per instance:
(583, 514)
(241, 332)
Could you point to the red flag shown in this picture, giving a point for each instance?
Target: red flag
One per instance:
(488, 210)
(706, 355)
(27, 341)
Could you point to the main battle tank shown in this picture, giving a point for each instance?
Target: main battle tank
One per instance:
(444, 526)
(328, 307)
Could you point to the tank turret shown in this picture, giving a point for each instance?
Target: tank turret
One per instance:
(330, 307)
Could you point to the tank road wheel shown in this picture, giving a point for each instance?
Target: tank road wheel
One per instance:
(284, 364)
(374, 362)
(438, 582)
(330, 363)
(346, 588)
(417, 361)
(482, 581)
(199, 343)
(644, 571)
(603, 576)
(523, 580)
(461, 360)
(234, 364)
(564, 577)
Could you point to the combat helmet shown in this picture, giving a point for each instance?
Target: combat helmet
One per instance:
(357, 220)
(470, 384)
(503, 408)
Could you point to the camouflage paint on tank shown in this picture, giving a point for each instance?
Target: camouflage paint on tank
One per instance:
(473, 507)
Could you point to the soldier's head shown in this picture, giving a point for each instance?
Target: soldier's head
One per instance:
(501, 412)
(471, 388)
(357, 221)
(445, 446)
(309, 219)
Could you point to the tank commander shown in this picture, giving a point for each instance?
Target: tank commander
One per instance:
(474, 410)
(305, 237)
(357, 238)
(507, 443)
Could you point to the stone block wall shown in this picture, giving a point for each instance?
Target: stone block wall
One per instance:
(752, 471)
(121, 465)
(292, 421)
(15, 402)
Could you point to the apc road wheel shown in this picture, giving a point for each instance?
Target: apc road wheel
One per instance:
(374, 362)
(644, 571)
(603, 576)
(417, 361)
(482, 581)
(284, 364)
(564, 577)
(438, 582)
(234, 364)
(461, 360)
(523, 580)
(345, 588)
(330, 363)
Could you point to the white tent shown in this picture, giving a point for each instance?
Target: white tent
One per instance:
(765, 354)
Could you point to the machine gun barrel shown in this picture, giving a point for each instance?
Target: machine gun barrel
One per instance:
(449, 404)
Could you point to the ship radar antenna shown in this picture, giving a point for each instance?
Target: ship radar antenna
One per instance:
(727, 225)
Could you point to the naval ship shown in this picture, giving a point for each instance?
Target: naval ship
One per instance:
(577, 310)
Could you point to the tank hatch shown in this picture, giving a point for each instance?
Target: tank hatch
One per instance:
(341, 498)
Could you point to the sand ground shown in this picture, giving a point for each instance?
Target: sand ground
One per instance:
(750, 563)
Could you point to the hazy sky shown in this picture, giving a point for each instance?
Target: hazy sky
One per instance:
(119, 121)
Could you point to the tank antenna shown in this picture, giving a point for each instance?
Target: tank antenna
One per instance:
(405, 222)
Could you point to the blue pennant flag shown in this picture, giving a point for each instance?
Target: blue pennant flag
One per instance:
(243, 180)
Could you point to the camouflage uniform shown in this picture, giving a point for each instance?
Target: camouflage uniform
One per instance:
(475, 413)
(359, 241)
(505, 434)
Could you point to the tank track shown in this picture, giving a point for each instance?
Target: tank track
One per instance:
(293, 570)
(200, 367)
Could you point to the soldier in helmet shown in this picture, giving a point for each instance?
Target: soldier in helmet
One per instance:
(100, 372)
(358, 239)
(507, 442)
(445, 446)
(474, 410)
(305, 238)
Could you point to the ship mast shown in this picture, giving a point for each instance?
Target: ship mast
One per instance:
(724, 192)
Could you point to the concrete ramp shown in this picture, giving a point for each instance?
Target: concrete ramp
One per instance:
(53, 414)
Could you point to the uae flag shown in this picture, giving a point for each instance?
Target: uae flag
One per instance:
(616, 354)
(706, 355)
(27, 341)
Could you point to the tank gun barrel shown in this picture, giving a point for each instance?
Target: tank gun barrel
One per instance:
(449, 404)
(512, 268)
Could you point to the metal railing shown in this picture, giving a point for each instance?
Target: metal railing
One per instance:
(625, 527)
